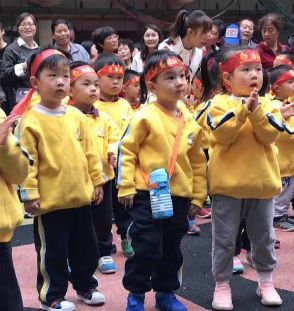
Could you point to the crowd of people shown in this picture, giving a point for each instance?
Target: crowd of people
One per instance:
(151, 135)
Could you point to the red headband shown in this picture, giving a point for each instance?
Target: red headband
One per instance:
(23, 104)
(243, 57)
(134, 79)
(286, 76)
(78, 72)
(111, 69)
(171, 62)
(198, 83)
(283, 60)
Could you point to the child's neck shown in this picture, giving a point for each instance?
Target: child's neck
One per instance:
(51, 105)
(170, 107)
(280, 97)
(107, 97)
(131, 99)
(82, 107)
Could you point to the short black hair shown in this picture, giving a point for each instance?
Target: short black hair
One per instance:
(50, 62)
(76, 64)
(127, 42)
(221, 26)
(59, 21)
(276, 72)
(129, 74)
(106, 59)
(99, 35)
(87, 44)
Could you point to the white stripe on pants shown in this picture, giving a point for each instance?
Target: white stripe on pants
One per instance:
(227, 213)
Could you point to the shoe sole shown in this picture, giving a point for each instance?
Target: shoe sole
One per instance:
(258, 293)
(44, 307)
(158, 308)
(238, 271)
(88, 302)
(214, 307)
(193, 233)
(108, 271)
(203, 217)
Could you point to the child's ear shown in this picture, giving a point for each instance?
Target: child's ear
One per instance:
(34, 82)
(276, 89)
(151, 87)
(227, 78)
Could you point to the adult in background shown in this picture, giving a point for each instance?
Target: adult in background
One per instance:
(91, 49)
(3, 46)
(215, 36)
(125, 51)
(61, 36)
(150, 40)
(246, 32)
(270, 26)
(105, 39)
(14, 61)
(188, 35)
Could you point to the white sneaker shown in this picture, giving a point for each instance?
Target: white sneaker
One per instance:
(59, 305)
(106, 265)
(92, 297)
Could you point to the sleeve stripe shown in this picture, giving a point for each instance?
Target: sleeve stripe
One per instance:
(278, 125)
(227, 116)
(200, 112)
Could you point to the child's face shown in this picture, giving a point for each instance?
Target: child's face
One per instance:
(52, 84)
(170, 85)
(133, 90)
(85, 89)
(244, 79)
(197, 88)
(124, 52)
(285, 90)
(111, 84)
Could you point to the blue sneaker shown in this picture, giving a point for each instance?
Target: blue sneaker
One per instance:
(135, 302)
(168, 302)
(106, 265)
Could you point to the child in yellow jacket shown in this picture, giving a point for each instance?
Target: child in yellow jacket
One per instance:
(66, 177)
(14, 167)
(160, 152)
(84, 92)
(282, 87)
(243, 173)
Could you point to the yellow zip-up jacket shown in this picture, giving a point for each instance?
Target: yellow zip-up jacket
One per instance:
(106, 136)
(66, 163)
(244, 162)
(149, 140)
(14, 168)
(285, 144)
(120, 111)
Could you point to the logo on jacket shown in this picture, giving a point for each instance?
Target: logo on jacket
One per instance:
(191, 139)
(78, 135)
(100, 132)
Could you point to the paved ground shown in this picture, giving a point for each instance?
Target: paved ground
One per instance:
(197, 286)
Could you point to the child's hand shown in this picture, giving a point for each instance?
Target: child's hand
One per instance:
(98, 195)
(127, 201)
(32, 206)
(5, 129)
(252, 100)
(112, 160)
(287, 110)
(193, 209)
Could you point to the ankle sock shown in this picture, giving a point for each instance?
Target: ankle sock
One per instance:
(265, 276)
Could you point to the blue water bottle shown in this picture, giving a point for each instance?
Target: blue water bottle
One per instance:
(160, 197)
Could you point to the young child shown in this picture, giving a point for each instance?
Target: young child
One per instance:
(243, 173)
(161, 138)
(84, 92)
(67, 175)
(110, 72)
(282, 87)
(285, 58)
(131, 88)
(14, 167)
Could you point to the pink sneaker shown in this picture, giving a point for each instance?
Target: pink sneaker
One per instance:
(222, 297)
(268, 294)
(203, 212)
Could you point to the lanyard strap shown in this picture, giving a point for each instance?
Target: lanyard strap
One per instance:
(173, 160)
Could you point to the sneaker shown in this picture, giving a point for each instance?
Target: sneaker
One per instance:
(91, 297)
(277, 244)
(135, 302)
(193, 228)
(127, 248)
(222, 297)
(248, 259)
(268, 294)
(168, 302)
(203, 213)
(59, 304)
(106, 265)
(28, 215)
(238, 267)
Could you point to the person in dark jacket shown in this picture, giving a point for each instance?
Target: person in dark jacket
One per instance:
(14, 61)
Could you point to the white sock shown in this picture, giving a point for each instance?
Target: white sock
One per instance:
(265, 276)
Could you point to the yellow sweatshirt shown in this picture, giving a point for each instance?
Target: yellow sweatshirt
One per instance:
(200, 116)
(14, 168)
(285, 144)
(243, 162)
(120, 111)
(106, 136)
(149, 140)
(66, 163)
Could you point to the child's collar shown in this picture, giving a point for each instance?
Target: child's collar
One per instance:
(114, 100)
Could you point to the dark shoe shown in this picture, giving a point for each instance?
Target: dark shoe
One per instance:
(135, 302)
(168, 302)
